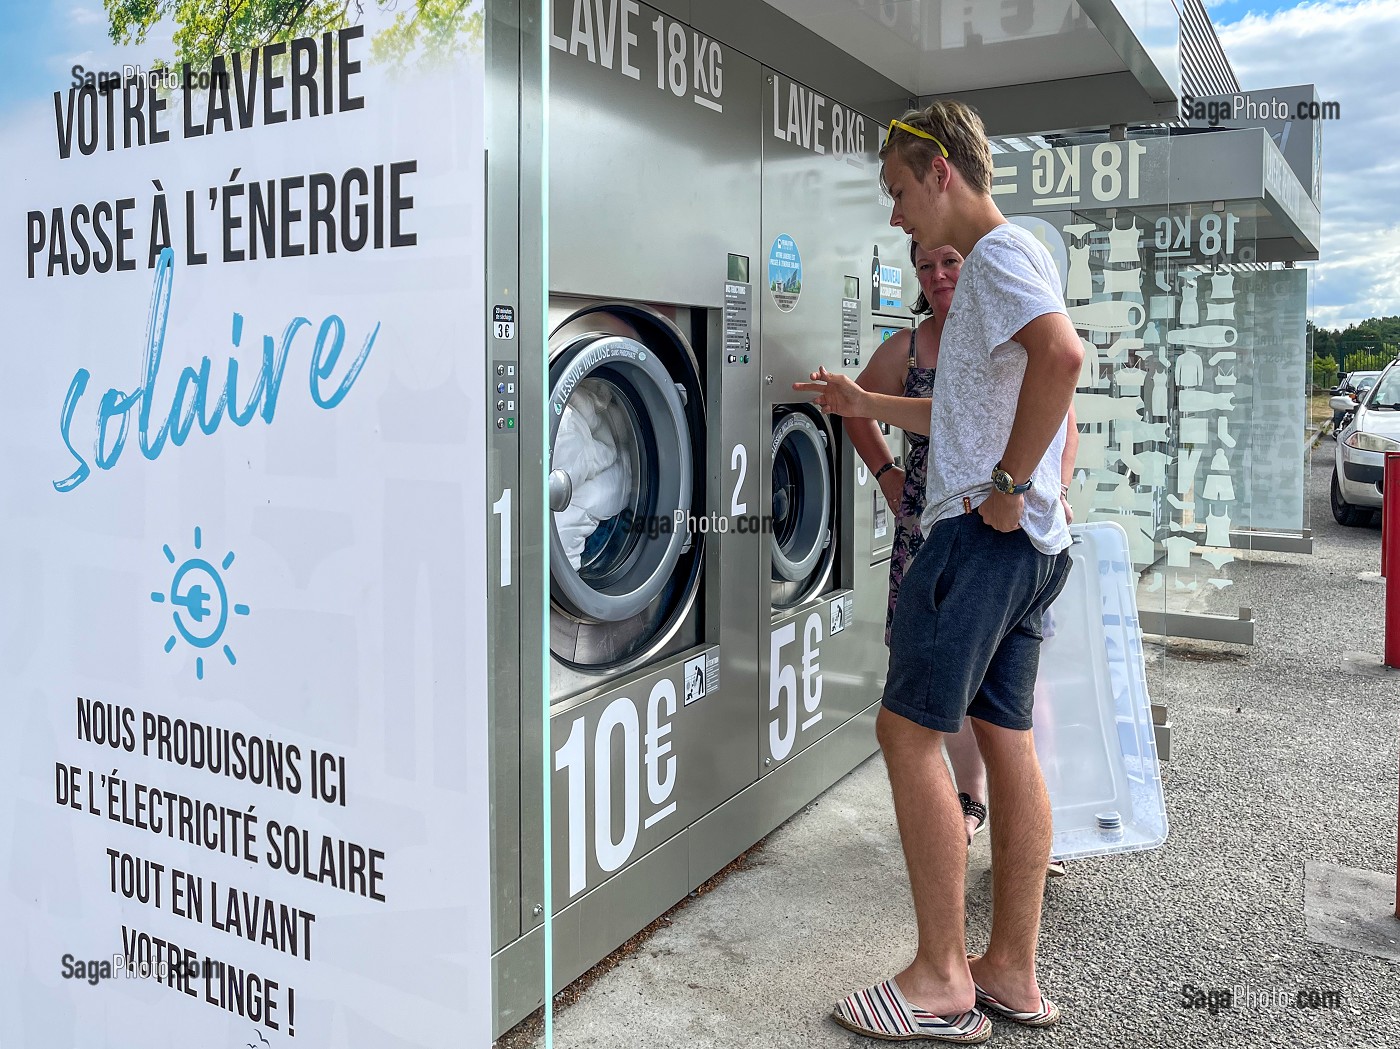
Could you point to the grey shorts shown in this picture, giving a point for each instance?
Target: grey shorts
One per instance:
(968, 626)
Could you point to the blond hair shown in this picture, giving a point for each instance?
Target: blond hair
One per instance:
(962, 133)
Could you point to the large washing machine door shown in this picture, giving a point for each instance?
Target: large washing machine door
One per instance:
(622, 484)
(803, 505)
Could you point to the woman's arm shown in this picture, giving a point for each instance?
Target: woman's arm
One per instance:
(840, 396)
(883, 374)
(1067, 458)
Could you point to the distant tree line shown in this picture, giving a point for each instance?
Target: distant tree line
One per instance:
(1367, 346)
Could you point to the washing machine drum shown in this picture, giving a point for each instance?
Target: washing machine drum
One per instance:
(803, 506)
(622, 471)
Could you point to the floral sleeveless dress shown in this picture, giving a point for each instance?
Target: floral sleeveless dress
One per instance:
(918, 382)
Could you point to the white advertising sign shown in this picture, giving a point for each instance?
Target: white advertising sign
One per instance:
(243, 766)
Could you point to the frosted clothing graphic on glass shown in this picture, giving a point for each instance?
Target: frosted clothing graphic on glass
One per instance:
(1217, 529)
(1179, 551)
(1123, 243)
(1122, 281)
(1217, 559)
(1007, 281)
(1081, 284)
(1190, 312)
(1186, 469)
(1190, 369)
(1159, 395)
(1218, 488)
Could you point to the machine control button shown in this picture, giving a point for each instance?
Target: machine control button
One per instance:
(500, 406)
(733, 358)
(500, 424)
(510, 423)
(500, 387)
(500, 369)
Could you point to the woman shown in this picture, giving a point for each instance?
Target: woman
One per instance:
(904, 366)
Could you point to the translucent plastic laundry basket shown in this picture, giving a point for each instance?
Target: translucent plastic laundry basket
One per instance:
(1093, 719)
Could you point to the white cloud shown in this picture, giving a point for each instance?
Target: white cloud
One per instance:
(1347, 50)
(82, 16)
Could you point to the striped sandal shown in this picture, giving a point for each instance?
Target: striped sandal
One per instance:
(882, 1012)
(1047, 1014)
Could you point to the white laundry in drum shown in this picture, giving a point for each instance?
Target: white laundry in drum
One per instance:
(586, 449)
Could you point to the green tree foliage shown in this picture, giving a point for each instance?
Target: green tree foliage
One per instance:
(1378, 336)
(1366, 361)
(436, 29)
(1324, 373)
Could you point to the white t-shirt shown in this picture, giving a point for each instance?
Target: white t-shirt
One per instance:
(1007, 281)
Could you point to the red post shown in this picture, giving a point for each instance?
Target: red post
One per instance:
(1390, 556)
(1390, 550)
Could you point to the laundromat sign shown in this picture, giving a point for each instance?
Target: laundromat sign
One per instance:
(809, 119)
(641, 44)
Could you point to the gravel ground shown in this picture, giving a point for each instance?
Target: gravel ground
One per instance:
(1278, 759)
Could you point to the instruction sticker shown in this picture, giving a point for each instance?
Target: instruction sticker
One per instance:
(784, 273)
(891, 287)
(701, 676)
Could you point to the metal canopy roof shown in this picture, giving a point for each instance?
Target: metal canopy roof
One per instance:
(1036, 65)
(1242, 168)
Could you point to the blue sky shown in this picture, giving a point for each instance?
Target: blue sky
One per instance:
(1348, 48)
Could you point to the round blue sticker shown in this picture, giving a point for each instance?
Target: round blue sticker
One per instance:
(784, 273)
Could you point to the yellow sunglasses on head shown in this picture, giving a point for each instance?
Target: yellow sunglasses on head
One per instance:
(902, 126)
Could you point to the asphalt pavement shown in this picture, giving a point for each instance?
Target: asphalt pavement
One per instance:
(1282, 766)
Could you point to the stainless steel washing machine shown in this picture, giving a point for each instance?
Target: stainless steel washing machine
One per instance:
(628, 470)
(651, 502)
(822, 668)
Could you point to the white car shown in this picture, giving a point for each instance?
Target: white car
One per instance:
(1361, 448)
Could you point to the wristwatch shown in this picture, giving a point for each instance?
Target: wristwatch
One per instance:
(1003, 482)
(881, 472)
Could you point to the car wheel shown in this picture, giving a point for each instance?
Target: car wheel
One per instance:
(1344, 513)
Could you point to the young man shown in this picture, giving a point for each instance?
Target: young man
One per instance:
(967, 629)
